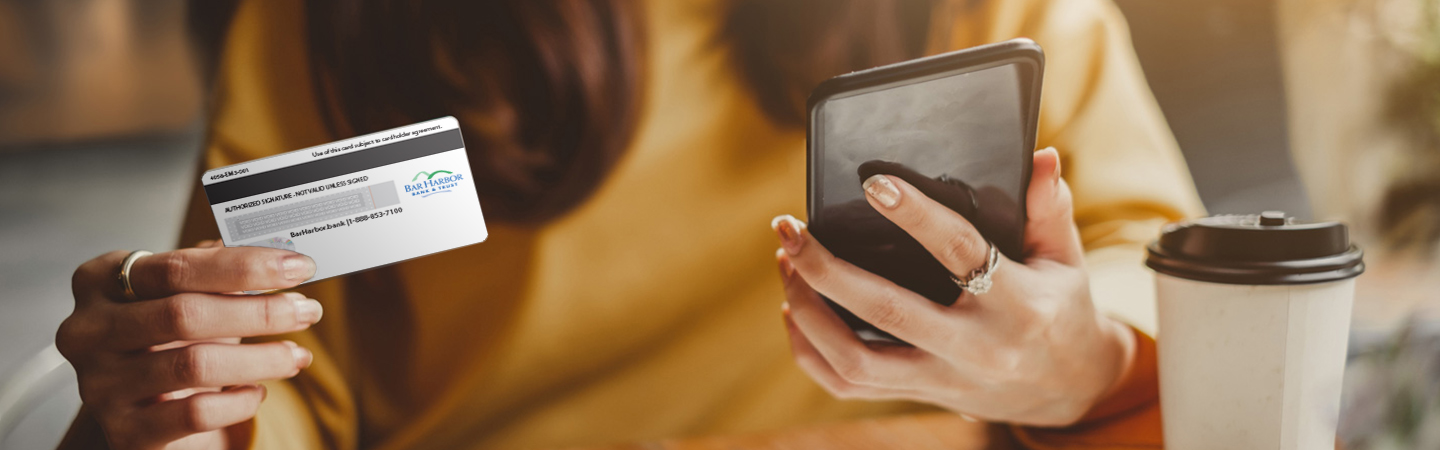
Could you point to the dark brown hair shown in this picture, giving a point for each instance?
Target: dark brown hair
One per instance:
(547, 91)
(783, 48)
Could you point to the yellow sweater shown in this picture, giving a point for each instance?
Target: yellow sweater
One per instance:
(653, 309)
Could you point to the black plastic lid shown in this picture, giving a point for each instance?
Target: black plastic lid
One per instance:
(1267, 248)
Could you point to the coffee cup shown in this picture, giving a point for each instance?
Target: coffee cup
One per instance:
(1254, 321)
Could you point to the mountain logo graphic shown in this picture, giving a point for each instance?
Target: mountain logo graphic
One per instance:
(429, 175)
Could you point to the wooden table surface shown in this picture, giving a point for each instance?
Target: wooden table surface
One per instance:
(933, 431)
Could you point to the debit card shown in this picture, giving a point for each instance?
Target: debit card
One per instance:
(354, 204)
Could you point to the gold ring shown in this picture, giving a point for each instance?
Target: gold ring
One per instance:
(125, 273)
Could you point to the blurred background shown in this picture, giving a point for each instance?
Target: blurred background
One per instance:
(1326, 109)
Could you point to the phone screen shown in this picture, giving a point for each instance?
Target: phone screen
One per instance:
(961, 138)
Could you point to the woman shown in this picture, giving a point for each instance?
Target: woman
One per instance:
(628, 154)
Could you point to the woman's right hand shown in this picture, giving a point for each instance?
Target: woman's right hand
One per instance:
(168, 370)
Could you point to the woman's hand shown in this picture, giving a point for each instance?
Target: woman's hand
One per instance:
(1033, 350)
(168, 370)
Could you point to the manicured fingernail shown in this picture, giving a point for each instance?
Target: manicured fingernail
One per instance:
(308, 311)
(785, 307)
(303, 358)
(298, 267)
(882, 190)
(790, 229)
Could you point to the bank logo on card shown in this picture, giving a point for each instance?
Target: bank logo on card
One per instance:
(437, 182)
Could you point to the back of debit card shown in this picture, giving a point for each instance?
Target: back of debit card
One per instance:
(354, 204)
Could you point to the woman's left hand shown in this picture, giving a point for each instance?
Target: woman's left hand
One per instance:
(1033, 350)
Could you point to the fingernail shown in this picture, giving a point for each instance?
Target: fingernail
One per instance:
(298, 267)
(785, 307)
(789, 228)
(308, 311)
(264, 392)
(303, 358)
(882, 190)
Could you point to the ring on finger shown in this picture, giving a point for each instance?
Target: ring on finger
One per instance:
(124, 275)
(979, 281)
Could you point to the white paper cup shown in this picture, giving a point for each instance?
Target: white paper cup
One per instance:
(1252, 342)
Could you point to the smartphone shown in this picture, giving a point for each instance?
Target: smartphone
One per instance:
(958, 126)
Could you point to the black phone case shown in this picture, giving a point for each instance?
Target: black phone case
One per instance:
(1024, 53)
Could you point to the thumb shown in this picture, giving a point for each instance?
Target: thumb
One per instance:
(1050, 231)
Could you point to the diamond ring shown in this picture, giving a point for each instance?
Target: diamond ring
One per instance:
(978, 282)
